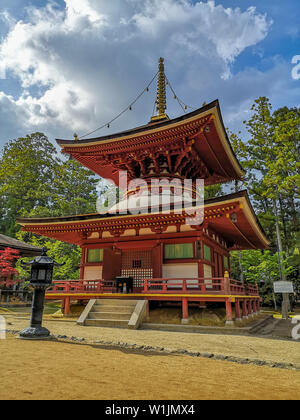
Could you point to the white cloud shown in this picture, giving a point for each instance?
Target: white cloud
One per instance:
(91, 58)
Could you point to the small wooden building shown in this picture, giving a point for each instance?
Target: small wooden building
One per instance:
(24, 250)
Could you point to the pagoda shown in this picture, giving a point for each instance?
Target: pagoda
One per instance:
(168, 258)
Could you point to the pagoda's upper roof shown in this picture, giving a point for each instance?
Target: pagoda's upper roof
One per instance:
(193, 146)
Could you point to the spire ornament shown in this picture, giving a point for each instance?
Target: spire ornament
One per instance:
(161, 101)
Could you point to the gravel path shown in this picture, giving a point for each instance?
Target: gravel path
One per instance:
(278, 351)
(50, 370)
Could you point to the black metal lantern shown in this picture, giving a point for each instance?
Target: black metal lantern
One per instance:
(40, 280)
(42, 270)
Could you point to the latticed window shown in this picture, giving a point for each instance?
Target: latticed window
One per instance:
(179, 251)
(95, 255)
(207, 253)
(137, 264)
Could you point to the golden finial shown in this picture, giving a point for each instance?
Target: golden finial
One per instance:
(161, 101)
(76, 137)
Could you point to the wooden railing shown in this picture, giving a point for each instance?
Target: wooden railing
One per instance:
(82, 286)
(214, 285)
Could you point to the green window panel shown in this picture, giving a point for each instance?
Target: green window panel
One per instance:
(95, 255)
(179, 251)
(207, 253)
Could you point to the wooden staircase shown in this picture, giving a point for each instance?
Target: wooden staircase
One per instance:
(110, 313)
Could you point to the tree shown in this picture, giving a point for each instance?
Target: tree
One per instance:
(213, 191)
(271, 157)
(62, 252)
(27, 167)
(35, 182)
(75, 189)
(8, 256)
(262, 268)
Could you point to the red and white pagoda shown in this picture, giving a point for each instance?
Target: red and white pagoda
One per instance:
(169, 259)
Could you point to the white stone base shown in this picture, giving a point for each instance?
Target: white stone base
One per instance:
(229, 323)
(184, 321)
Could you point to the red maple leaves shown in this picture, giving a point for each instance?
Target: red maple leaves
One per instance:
(7, 259)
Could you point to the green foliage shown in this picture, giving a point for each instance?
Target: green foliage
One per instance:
(26, 178)
(213, 191)
(35, 182)
(262, 268)
(61, 252)
(271, 159)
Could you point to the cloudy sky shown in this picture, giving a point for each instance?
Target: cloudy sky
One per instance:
(71, 65)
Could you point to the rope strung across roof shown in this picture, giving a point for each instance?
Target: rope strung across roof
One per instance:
(160, 102)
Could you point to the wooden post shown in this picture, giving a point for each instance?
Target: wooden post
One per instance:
(250, 308)
(145, 285)
(229, 320)
(245, 311)
(226, 282)
(285, 306)
(237, 310)
(67, 306)
(185, 311)
(258, 305)
(164, 285)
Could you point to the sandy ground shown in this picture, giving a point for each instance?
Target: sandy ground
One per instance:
(238, 346)
(54, 370)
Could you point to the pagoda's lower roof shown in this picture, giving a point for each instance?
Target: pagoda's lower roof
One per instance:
(232, 216)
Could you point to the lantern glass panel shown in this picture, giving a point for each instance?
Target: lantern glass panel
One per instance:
(42, 275)
(34, 274)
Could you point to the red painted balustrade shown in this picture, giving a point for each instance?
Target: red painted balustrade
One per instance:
(82, 286)
(214, 286)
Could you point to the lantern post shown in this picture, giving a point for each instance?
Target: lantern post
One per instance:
(40, 280)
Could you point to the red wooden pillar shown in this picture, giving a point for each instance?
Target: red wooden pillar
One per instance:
(67, 306)
(185, 311)
(245, 310)
(81, 275)
(258, 305)
(229, 320)
(237, 310)
(157, 260)
(250, 308)
(200, 270)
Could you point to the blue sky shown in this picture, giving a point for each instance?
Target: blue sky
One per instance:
(72, 65)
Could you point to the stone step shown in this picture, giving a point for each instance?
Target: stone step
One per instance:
(110, 315)
(112, 308)
(113, 323)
